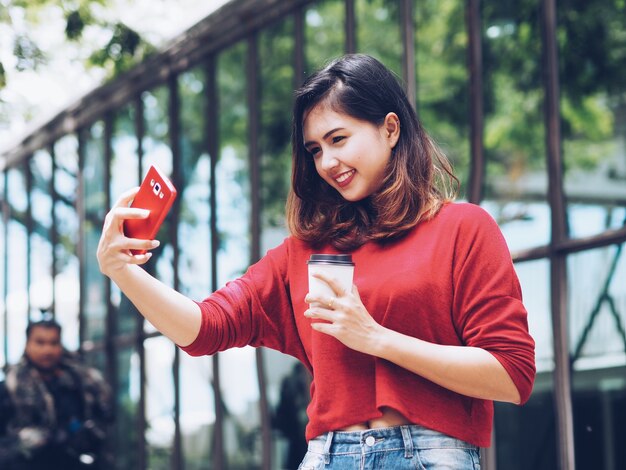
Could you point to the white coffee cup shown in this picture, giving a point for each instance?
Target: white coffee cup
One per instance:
(338, 267)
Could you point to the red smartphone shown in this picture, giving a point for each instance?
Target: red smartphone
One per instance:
(157, 194)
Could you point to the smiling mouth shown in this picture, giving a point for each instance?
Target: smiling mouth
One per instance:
(345, 178)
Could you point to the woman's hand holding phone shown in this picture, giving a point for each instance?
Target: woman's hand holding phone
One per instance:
(156, 194)
(129, 229)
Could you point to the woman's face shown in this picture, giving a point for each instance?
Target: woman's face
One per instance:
(349, 154)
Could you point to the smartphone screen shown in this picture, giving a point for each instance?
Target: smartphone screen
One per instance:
(157, 194)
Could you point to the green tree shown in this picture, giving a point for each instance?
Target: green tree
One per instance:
(125, 47)
(591, 37)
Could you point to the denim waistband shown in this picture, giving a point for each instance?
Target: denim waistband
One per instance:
(409, 437)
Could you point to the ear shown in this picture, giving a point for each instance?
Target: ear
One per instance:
(391, 129)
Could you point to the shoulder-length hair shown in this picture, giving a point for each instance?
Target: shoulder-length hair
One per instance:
(419, 178)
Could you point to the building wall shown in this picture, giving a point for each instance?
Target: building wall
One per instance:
(526, 101)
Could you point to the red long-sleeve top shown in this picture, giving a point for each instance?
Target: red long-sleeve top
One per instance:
(449, 281)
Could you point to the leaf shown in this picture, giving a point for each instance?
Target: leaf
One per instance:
(74, 26)
(3, 76)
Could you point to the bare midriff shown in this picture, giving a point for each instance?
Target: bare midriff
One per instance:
(389, 419)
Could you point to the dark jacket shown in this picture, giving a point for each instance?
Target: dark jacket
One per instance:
(55, 423)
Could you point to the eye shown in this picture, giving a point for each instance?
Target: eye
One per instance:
(313, 151)
(338, 138)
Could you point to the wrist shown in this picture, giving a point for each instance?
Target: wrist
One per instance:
(382, 341)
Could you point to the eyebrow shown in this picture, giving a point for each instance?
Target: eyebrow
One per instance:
(332, 131)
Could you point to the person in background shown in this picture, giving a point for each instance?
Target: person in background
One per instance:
(54, 411)
(406, 364)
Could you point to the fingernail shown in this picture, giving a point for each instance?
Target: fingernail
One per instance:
(155, 243)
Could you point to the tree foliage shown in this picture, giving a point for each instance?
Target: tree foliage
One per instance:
(124, 48)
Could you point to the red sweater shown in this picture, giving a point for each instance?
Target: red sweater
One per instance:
(449, 281)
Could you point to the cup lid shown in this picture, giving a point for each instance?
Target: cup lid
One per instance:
(331, 259)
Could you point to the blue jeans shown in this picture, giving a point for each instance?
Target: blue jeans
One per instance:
(396, 448)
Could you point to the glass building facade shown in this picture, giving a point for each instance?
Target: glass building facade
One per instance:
(526, 97)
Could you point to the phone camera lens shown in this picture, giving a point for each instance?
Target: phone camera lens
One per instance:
(156, 188)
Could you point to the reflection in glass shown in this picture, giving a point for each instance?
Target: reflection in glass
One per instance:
(40, 287)
(534, 278)
(276, 49)
(197, 410)
(95, 303)
(66, 281)
(17, 256)
(156, 139)
(124, 175)
(525, 436)
(523, 223)
(324, 34)
(3, 272)
(126, 412)
(593, 114)
(240, 395)
(597, 319)
(159, 358)
(157, 151)
(586, 220)
(514, 135)
(240, 390)
(442, 77)
(194, 267)
(597, 313)
(288, 396)
(232, 169)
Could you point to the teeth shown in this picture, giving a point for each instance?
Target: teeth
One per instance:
(344, 176)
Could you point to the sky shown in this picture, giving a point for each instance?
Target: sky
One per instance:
(32, 98)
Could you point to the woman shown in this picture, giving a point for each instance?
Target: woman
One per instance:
(407, 364)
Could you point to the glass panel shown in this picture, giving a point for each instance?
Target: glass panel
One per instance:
(597, 314)
(159, 358)
(197, 403)
(240, 390)
(522, 223)
(3, 271)
(66, 281)
(126, 439)
(596, 307)
(525, 436)
(240, 395)
(197, 411)
(17, 254)
(95, 304)
(40, 286)
(194, 230)
(276, 49)
(378, 31)
(232, 169)
(593, 114)
(442, 78)
(124, 175)
(516, 175)
(288, 396)
(157, 151)
(324, 34)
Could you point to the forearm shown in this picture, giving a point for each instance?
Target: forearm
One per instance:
(173, 314)
(466, 370)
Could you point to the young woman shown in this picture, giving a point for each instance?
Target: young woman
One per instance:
(407, 363)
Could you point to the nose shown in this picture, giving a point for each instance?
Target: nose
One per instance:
(329, 161)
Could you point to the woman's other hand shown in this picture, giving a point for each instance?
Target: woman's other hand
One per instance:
(345, 317)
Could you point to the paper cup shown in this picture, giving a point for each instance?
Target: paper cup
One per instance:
(338, 267)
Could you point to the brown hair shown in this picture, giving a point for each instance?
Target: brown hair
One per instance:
(419, 178)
